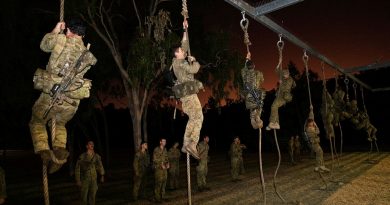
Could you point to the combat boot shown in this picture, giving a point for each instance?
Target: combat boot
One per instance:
(60, 154)
(191, 148)
(45, 156)
(323, 168)
(185, 143)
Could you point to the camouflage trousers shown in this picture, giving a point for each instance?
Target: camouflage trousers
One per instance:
(3, 192)
(278, 102)
(319, 153)
(139, 181)
(160, 176)
(63, 113)
(328, 120)
(256, 121)
(192, 107)
(89, 188)
(237, 164)
(173, 177)
(201, 173)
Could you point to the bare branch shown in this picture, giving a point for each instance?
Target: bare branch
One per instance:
(138, 17)
(101, 8)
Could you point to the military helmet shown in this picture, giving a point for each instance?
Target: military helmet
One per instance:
(77, 26)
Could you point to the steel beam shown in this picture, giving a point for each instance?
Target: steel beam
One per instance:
(368, 67)
(249, 10)
(273, 6)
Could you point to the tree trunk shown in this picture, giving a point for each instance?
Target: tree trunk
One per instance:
(145, 122)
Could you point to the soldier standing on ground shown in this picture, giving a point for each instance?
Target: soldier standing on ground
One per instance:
(174, 159)
(297, 148)
(202, 169)
(161, 165)
(186, 88)
(3, 192)
(66, 51)
(88, 166)
(141, 164)
(312, 132)
(237, 162)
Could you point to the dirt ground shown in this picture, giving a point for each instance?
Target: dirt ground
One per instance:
(372, 187)
(353, 179)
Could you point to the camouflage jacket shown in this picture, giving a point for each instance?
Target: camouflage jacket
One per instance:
(65, 52)
(203, 150)
(312, 133)
(174, 157)
(160, 157)
(88, 166)
(141, 162)
(285, 88)
(184, 71)
(235, 150)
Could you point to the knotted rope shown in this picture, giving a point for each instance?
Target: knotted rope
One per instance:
(277, 167)
(244, 23)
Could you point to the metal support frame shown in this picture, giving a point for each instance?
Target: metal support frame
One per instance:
(258, 14)
(368, 67)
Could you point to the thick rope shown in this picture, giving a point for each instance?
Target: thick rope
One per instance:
(305, 59)
(346, 81)
(325, 92)
(45, 184)
(354, 86)
(280, 45)
(261, 169)
(189, 179)
(62, 9)
(184, 12)
(277, 167)
(244, 23)
(341, 140)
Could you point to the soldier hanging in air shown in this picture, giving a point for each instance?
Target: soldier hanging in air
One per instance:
(253, 91)
(62, 85)
(186, 88)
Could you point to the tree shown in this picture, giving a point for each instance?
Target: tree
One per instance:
(139, 59)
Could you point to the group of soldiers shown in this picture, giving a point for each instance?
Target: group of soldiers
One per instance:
(166, 164)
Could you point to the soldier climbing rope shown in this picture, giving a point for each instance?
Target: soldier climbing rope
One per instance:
(311, 129)
(254, 95)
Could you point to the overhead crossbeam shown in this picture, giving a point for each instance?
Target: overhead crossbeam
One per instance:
(373, 66)
(249, 10)
(273, 6)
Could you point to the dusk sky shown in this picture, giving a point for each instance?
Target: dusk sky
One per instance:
(350, 33)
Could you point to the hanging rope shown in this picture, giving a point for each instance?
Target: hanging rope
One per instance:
(363, 102)
(62, 9)
(244, 23)
(280, 45)
(325, 93)
(189, 179)
(261, 169)
(305, 59)
(277, 167)
(346, 81)
(184, 12)
(354, 86)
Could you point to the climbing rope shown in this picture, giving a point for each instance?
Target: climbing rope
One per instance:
(305, 59)
(277, 167)
(244, 23)
(280, 45)
(354, 86)
(346, 81)
(53, 134)
(184, 13)
(189, 179)
(325, 94)
(261, 169)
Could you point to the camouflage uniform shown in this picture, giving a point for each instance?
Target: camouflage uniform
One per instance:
(87, 168)
(253, 80)
(140, 164)
(64, 54)
(339, 105)
(312, 133)
(297, 148)
(188, 88)
(283, 96)
(237, 162)
(202, 169)
(3, 191)
(327, 112)
(291, 149)
(174, 159)
(160, 158)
